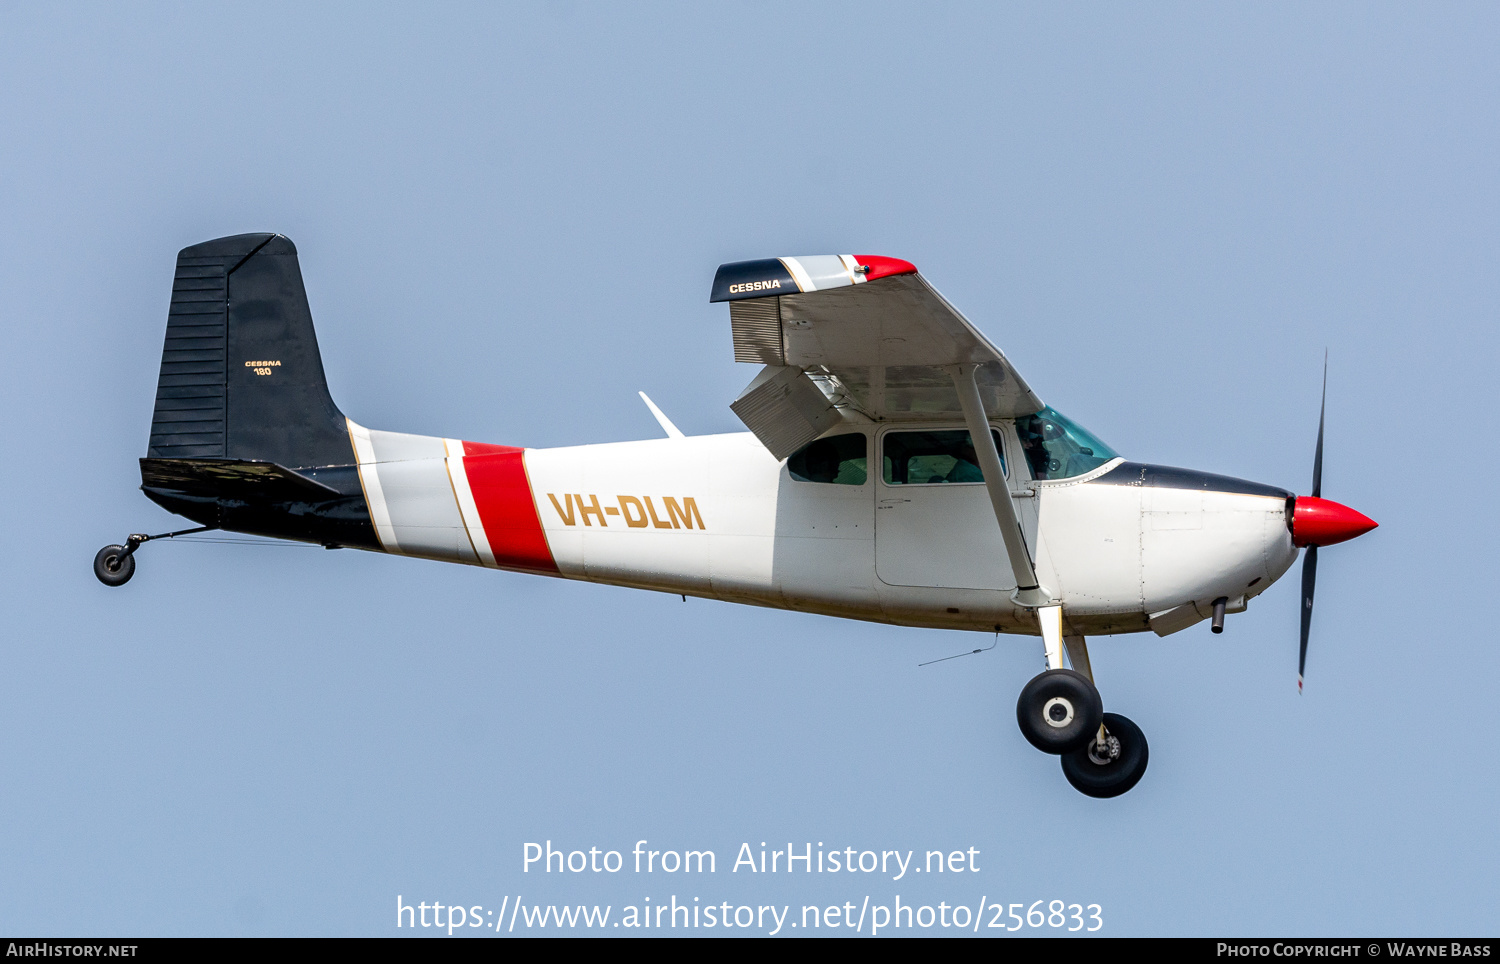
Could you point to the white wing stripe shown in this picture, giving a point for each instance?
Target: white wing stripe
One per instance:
(799, 275)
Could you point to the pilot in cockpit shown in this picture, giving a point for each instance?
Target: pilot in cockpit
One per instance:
(1033, 445)
(965, 465)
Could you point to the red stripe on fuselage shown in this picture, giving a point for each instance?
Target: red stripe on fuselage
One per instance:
(502, 493)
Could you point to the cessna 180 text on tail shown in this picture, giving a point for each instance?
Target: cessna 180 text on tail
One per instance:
(897, 469)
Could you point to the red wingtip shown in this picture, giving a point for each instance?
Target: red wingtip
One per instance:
(883, 267)
(1323, 522)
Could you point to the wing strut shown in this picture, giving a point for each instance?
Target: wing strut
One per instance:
(1027, 592)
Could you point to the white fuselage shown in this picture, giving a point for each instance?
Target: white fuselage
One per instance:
(716, 516)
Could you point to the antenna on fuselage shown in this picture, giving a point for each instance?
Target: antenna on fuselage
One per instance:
(982, 649)
(661, 419)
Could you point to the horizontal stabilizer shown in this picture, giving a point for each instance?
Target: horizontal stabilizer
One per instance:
(235, 479)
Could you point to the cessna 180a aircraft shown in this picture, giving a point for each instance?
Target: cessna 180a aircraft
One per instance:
(897, 469)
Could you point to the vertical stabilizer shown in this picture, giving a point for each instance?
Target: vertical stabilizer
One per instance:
(241, 377)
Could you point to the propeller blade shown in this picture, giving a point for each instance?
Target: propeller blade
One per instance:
(1310, 561)
(1309, 580)
(1317, 489)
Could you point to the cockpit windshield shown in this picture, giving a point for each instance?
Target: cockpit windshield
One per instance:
(1057, 448)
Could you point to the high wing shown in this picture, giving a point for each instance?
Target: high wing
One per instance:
(871, 332)
(856, 332)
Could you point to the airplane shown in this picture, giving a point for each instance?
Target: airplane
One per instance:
(898, 469)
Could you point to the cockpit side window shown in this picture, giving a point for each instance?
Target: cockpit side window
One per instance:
(836, 460)
(921, 458)
(1057, 448)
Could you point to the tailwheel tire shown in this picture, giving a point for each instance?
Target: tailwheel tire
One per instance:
(1112, 769)
(1059, 711)
(113, 567)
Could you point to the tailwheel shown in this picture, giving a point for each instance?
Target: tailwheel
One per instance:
(1111, 766)
(114, 565)
(1059, 711)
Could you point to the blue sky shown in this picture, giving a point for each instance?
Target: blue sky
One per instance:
(509, 218)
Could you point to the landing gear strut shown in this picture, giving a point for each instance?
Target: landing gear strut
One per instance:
(1060, 712)
(114, 565)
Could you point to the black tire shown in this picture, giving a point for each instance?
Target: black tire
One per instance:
(1114, 777)
(113, 567)
(1059, 711)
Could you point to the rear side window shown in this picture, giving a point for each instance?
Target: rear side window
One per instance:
(837, 460)
(923, 458)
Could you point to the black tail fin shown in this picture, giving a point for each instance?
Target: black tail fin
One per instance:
(241, 377)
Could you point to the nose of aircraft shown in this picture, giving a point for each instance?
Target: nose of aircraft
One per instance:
(1323, 522)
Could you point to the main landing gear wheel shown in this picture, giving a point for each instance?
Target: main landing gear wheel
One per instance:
(1111, 768)
(1059, 711)
(114, 566)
